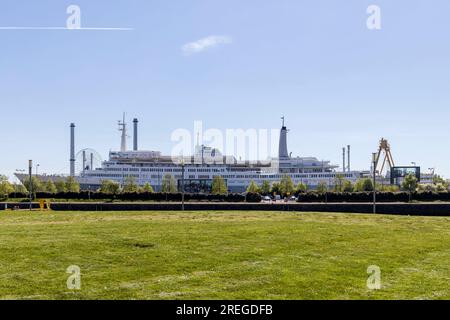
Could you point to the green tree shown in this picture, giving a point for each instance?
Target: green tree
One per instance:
(367, 185)
(388, 188)
(130, 185)
(409, 184)
(50, 187)
(441, 187)
(322, 187)
(72, 185)
(253, 187)
(110, 187)
(441, 183)
(168, 184)
(348, 186)
(36, 184)
(60, 186)
(219, 186)
(5, 187)
(339, 181)
(147, 188)
(20, 188)
(265, 187)
(276, 188)
(364, 185)
(286, 185)
(301, 188)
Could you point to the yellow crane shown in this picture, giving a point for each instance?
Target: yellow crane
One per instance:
(384, 151)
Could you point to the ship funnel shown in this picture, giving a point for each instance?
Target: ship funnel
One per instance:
(282, 147)
(72, 149)
(135, 134)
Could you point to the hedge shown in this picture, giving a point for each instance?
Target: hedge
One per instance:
(232, 197)
(134, 196)
(368, 197)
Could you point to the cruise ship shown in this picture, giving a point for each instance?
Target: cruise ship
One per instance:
(200, 168)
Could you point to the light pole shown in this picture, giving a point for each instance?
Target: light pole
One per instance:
(30, 172)
(182, 184)
(374, 164)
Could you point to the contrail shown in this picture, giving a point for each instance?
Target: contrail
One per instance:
(63, 28)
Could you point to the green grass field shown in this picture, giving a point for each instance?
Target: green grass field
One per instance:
(222, 255)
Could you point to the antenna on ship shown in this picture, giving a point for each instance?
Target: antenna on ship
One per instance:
(123, 129)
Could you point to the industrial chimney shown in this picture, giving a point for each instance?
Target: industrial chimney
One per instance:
(72, 149)
(135, 134)
(84, 160)
(348, 158)
(343, 159)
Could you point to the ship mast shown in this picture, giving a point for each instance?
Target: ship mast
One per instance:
(123, 129)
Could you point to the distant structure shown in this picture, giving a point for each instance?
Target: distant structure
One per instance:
(206, 163)
(135, 134)
(123, 129)
(282, 148)
(87, 159)
(384, 148)
(348, 159)
(343, 160)
(72, 149)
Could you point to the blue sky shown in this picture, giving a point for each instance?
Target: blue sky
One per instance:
(315, 62)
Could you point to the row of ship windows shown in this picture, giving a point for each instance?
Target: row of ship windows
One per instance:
(225, 176)
(164, 170)
(332, 175)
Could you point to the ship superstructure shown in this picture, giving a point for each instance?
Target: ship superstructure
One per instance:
(200, 169)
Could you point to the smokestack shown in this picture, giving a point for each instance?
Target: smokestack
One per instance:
(92, 161)
(282, 147)
(348, 158)
(343, 159)
(72, 149)
(84, 160)
(135, 134)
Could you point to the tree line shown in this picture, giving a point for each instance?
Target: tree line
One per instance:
(62, 185)
(286, 186)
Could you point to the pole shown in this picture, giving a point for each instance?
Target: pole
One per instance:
(72, 149)
(374, 163)
(30, 186)
(182, 186)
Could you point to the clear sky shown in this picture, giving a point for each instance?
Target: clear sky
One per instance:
(314, 61)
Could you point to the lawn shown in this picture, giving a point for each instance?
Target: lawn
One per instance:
(222, 255)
